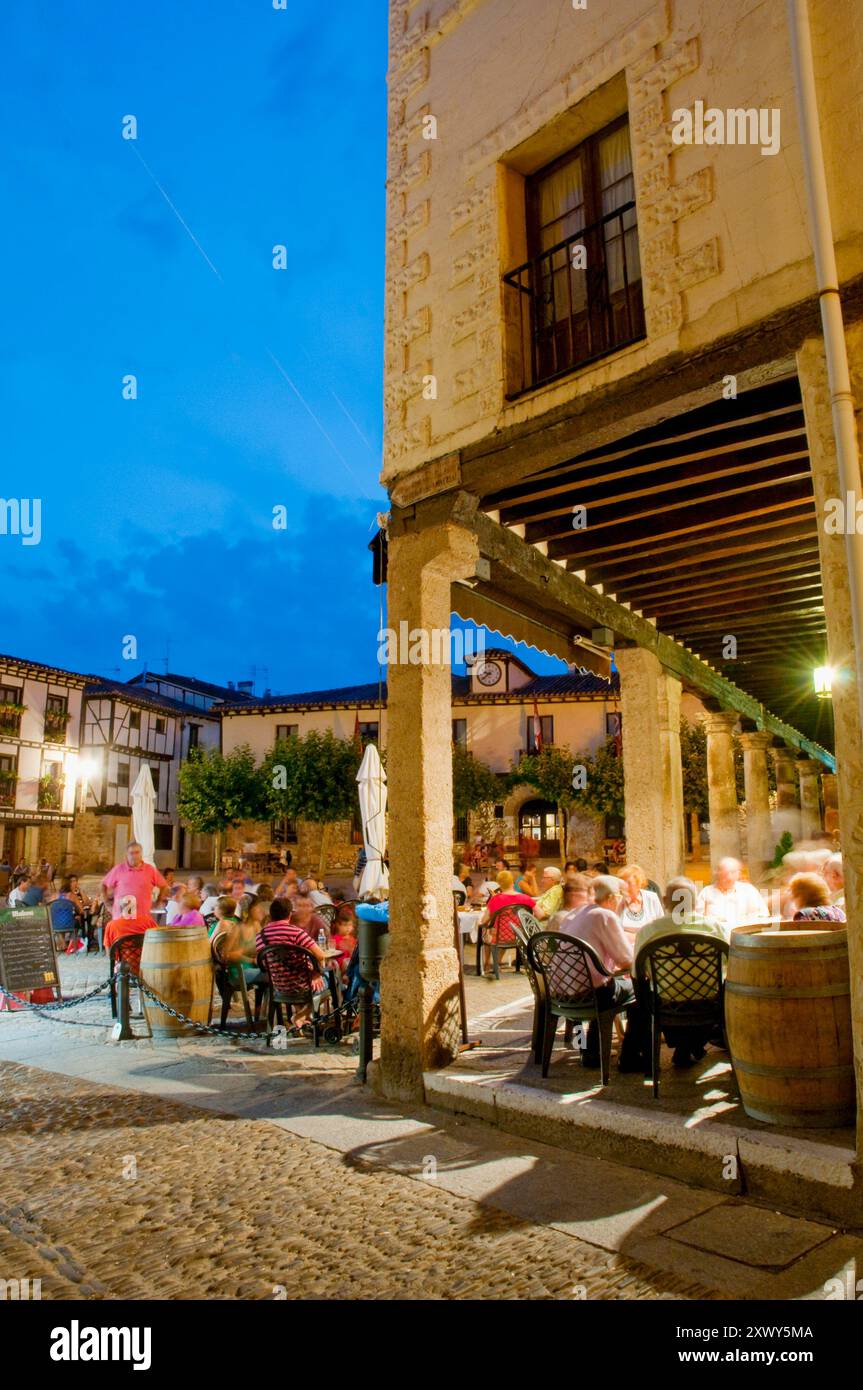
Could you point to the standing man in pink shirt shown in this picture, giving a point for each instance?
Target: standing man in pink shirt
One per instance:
(134, 879)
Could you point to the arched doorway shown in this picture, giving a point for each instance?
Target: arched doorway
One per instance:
(539, 822)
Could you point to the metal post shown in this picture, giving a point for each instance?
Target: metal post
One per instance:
(367, 1020)
(122, 1031)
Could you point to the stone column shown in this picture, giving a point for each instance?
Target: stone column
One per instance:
(420, 974)
(812, 372)
(759, 833)
(722, 786)
(808, 770)
(787, 802)
(830, 802)
(652, 771)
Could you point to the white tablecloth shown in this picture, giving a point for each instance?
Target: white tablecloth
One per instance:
(467, 924)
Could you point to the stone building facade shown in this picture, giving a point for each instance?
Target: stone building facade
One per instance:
(588, 310)
(40, 723)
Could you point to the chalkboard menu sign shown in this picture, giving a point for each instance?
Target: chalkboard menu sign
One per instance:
(27, 956)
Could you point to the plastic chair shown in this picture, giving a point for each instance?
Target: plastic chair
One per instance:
(68, 933)
(680, 981)
(290, 970)
(563, 964)
(128, 948)
(227, 987)
(499, 934)
(527, 927)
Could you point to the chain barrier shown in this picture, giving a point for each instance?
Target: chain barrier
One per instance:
(210, 1028)
(48, 1011)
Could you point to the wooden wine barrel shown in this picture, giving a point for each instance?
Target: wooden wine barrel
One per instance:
(788, 1024)
(177, 965)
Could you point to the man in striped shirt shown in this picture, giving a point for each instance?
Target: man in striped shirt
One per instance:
(301, 975)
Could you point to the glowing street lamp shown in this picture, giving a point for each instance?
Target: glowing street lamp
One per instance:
(823, 678)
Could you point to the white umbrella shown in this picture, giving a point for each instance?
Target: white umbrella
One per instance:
(372, 786)
(143, 811)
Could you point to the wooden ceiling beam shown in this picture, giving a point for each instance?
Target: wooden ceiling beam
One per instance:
(664, 475)
(550, 481)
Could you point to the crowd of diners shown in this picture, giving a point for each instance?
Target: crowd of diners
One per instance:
(618, 914)
(242, 915)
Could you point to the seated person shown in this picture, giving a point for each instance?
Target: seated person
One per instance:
(173, 907)
(129, 923)
(65, 919)
(810, 900)
(237, 944)
(682, 917)
(598, 924)
(189, 914)
(287, 887)
(525, 880)
(344, 936)
(16, 897)
(225, 915)
(211, 897)
(504, 896)
(317, 892)
(36, 892)
(279, 930)
(303, 915)
(550, 898)
(577, 893)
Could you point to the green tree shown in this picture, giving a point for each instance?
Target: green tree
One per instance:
(550, 772)
(473, 782)
(693, 756)
(602, 792)
(313, 778)
(216, 792)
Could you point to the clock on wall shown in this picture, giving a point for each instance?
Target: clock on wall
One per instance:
(489, 673)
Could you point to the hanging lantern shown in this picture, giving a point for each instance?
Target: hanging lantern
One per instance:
(823, 678)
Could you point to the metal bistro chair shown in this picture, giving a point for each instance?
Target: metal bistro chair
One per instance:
(527, 927)
(562, 963)
(680, 981)
(67, 933)
(499, 934)
(290, 970)
(128, 948)
(225, 984)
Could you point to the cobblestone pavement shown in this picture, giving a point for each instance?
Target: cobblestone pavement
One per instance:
(113, 1194)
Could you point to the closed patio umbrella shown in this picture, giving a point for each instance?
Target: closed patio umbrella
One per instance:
(143, 812)
(372, 786)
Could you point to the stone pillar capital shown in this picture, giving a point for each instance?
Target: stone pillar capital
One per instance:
(808, 767)
(759, 739)
(720, 721)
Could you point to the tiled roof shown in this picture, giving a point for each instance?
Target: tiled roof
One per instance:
(138, 695)
(218, 692)
(583, 683)
(21, 663)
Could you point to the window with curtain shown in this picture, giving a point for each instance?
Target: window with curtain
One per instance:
(580, 292)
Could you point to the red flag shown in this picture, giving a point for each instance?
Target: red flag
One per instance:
(537, 728)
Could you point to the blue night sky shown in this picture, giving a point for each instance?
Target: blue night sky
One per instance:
(256, 387)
